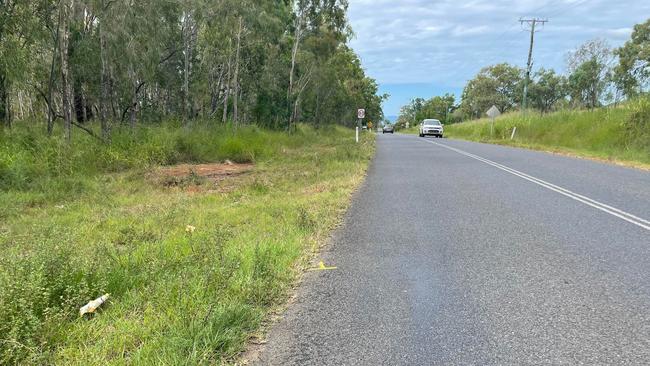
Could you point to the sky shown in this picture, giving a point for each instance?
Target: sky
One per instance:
(423, 48)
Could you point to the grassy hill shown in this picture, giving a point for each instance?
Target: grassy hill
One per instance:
(620, 134)
(193, 262)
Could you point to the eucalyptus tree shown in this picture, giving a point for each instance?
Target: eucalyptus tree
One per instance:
(632, 74)
(547, 89)
(494, 85)
(66, 10)
(20, 31)
(318, 24)
(589, 69)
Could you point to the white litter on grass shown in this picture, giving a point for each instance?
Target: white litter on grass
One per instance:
(90, 307)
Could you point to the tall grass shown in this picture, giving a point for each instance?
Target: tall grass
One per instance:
(616, 133)
(28, 158)
(83, 220)
(38, 169)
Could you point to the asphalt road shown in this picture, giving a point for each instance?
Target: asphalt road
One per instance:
(462, 253)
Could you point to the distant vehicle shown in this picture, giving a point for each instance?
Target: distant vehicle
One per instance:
(431, 127)
(388, 129)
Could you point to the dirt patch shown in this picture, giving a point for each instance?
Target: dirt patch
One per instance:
(193, 175)
(219, 170)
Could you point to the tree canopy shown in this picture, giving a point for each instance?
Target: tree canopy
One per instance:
(494, 85)
(268, 62)
(632, 74)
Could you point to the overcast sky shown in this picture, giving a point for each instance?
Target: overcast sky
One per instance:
(422, 48)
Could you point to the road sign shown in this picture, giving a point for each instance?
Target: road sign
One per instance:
(361, 113)
(493, 112)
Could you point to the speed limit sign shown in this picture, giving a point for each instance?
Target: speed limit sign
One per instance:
(361, 113)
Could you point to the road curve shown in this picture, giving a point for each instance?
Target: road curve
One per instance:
(463, 253)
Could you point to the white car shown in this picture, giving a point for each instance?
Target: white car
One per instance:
(431, 127)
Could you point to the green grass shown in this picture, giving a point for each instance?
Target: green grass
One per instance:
(620, 134)
(80, 221)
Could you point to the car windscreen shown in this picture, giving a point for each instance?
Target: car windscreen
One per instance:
(432, 123)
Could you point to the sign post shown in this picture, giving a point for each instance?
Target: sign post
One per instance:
(361, 114)
(493, 113)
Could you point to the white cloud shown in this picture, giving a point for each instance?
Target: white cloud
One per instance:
(460, 31)
(446, 42)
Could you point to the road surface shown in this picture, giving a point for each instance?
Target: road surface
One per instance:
(463, 253)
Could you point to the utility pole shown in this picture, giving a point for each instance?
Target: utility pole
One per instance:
(533, 23)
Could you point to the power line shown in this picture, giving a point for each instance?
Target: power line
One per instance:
(551, 4)
(551, 8)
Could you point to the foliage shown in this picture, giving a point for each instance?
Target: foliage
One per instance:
(151, 60)
(499, 85)
(632, 73)
(547, 88)
(590, 73)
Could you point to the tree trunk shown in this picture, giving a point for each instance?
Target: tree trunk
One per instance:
(227, 90)
(187, 46)
(103, 107)
(236, 76)
(5, 103)
(21, 106)
(317, 109)
(114, 96)
(134, 107)
(50, 88)
(216, 90)
(64, 33)
(84, 106)
(302, 83)
(294, 57)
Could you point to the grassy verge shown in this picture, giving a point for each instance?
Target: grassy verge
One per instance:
(82, 221)
(620, 135)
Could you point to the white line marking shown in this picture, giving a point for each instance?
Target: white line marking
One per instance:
(645, 224)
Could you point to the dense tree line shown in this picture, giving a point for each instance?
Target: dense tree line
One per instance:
(269, 62)
(438, 107)
(597, 75)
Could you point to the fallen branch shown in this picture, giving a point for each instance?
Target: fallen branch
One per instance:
(88, 130)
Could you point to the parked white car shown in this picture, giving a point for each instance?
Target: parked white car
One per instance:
(431, 127)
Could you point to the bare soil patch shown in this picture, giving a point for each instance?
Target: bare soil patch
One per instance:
(192, 175)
